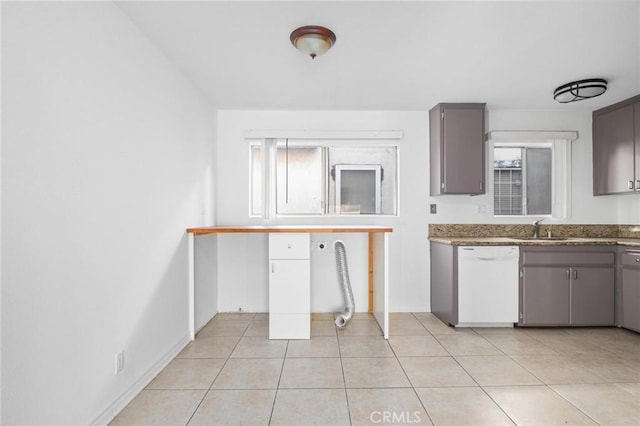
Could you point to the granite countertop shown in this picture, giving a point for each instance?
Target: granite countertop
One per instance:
(504, 241)
(519, 235)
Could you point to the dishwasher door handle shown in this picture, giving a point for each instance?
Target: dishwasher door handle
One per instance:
(490, 259)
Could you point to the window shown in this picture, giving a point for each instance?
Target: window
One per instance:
(297, 177)
(522, 180)
(531, 172)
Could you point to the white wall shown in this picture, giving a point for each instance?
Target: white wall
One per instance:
(105, 150)
(246, 288)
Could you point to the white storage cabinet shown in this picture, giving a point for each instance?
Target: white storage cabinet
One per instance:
(289, 286)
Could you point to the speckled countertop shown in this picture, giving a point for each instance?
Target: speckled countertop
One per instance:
(562, 235)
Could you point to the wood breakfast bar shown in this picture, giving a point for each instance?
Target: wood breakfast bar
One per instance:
(378, 261)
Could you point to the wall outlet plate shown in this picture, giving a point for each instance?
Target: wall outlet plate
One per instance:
(119, 362)
(433, 208)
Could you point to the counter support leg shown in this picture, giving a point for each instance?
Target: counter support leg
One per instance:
(191, 244)
(381, 281)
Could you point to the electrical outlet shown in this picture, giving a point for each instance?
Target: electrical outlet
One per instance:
(433, 208)
(119, 362)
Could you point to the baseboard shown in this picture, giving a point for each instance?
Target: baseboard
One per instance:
(118, 405)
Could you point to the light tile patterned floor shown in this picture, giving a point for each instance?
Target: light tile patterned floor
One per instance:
(426, 373)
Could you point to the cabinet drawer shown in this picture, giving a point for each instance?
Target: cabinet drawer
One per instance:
(289, 246)
(630, 259)
(573, 259)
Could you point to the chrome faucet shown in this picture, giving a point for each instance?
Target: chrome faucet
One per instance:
(536, 228)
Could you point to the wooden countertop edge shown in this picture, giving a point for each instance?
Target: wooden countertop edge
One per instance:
(205, 230)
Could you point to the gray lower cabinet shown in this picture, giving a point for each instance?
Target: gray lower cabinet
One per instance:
(567, 286)
(444, 282)
(544, 296)
(629, 315)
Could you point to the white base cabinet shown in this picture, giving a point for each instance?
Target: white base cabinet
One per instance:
(289, 286)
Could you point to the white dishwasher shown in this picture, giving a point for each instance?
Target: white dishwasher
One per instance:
(487, 286)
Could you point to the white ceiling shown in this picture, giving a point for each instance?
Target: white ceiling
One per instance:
(397, 54)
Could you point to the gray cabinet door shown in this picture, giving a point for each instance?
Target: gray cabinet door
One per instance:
(613, 150)
(592, 296)
(631, 299)
(637, 145)
(545, 295)
(463, 165)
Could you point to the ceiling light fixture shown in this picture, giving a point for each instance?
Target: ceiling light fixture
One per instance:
(313, 40)
(579, 90)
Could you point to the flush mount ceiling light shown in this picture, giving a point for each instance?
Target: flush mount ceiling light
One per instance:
(579, 90)
(313, 40)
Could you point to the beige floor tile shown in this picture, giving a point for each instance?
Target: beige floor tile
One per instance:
(632, 388)
(518, 344)
(416, 346)
(373, 373)
(209, 347)
(364, 347)
(380, 406)
(160, 407)
(401, 315)
(185, 373)
(323, 316)
(224, 328)
(365, 327)
(311, 373)
(257, 329)
(461, 406)
(234, 316)
(317, 347)
(249, 373)
(322, 328)
(259, 347)
(497, 331)
(262, 316)
(467, 344)
(230, 407)
(435, 371)
(435, 326)
(570, 344)
(310, 407)
(610, 368)
(407, 327)
(536, 405)
(607, 404)
(556, 369)
(618, 341)
(496, 370)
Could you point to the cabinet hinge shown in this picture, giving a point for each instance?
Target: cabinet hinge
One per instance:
(521, 274)
(521, 316)
(442, 185)
(442, 115)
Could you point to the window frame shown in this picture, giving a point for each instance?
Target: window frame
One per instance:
(561, 142)
(382, 139)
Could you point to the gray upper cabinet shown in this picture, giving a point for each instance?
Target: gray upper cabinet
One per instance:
(616, 148)
(457, 154)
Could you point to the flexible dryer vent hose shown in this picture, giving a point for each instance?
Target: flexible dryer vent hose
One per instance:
(343, 277)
